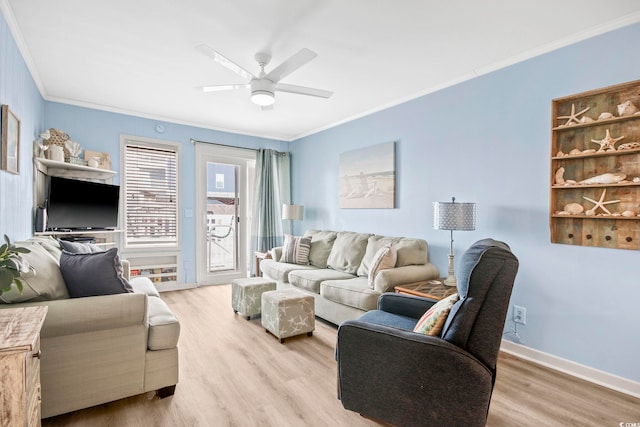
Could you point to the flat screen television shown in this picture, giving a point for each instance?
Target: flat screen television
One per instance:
(81, 205)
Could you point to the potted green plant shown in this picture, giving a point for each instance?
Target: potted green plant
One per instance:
(12, 265)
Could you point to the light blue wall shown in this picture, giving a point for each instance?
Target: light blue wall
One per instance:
(100, 131)
(20, 93)
(488, 141)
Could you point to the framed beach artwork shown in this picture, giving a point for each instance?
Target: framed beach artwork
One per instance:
(10, 141)
(368, 177)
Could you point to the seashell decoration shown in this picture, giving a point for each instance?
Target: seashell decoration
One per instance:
(572, 118)
(586, 119)
(605, 178)
(574, 152)
(605, 116)
(589, 151)
(629, 213)
(627, 109)
(636, 179)
(574, 208)
(608, 143)
(560, 176)
(629, 146)
(560, 154)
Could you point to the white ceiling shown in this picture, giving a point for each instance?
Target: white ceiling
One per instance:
(138, 56)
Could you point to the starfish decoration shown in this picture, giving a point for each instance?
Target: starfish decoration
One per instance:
(607, 143)
(599, 204)
(573, 117)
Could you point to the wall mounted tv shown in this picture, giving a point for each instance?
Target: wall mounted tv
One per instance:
(81, 205)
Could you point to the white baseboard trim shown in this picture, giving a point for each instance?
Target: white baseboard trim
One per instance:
(587, 373)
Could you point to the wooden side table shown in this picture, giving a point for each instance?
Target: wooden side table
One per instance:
(434, 289)
(259, 256)
(20, 365)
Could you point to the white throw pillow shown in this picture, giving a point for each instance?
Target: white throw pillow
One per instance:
(384, 259)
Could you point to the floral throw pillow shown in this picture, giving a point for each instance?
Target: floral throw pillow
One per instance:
(296, 250)
(432, 321)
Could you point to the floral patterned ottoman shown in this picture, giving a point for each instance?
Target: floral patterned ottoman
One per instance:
(287, 313)
(246, 294)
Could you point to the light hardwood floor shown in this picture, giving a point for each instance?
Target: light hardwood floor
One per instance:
(233, 373)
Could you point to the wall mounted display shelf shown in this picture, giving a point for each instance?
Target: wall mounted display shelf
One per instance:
(595, 168)
(70, 170)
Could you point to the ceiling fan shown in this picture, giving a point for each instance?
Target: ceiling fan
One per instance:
(264, 85)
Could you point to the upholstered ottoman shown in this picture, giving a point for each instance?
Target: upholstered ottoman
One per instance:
(287, 313)
(246, 294)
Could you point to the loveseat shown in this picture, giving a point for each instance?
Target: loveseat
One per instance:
(97, 349)
(339, 273)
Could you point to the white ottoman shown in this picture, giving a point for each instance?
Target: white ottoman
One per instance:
(287, 313)
(246, 294)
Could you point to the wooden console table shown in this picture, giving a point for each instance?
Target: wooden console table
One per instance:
(20, 365)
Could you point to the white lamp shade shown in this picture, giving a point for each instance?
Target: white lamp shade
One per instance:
(294, 212)
(454, 216)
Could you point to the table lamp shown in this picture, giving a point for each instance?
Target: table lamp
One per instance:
(453, 216)
(292, 212)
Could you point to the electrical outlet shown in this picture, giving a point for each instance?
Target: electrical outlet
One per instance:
(519, 314)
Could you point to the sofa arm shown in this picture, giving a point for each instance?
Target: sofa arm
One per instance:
(276, 253)
(78, 315)
(409, 379)
(386, 280)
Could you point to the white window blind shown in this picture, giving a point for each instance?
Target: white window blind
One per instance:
(151, 195)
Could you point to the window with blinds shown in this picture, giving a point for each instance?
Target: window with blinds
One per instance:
(151, 195)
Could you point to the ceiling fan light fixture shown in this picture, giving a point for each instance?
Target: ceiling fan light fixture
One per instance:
(262, 92)
(263, 98)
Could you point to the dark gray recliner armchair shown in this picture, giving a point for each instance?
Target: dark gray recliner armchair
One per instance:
(388, 372)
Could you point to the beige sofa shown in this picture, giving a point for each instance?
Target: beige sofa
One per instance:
(339, 267)
(100, 348)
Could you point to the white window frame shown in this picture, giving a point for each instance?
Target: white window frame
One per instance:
(126, 140)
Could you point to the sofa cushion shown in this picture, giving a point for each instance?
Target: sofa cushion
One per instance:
(43, 283)
(347, 251)
(433, 319)
(93, 274)
(321, 244)
(296, 250)
(164, 329)
(311, 279)
(50, 243)
(280, 270)
(411, 252)
(385, 259)
(144, 285)
(79, 247)
(353, 292)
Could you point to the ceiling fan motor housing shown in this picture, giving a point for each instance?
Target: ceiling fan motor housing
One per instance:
(262, 92)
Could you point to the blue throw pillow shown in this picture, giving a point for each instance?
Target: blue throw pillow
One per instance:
(79, 247)
(92, 274)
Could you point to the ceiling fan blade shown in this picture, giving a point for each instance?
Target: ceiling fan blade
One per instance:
(290, 65)
(219, 88)
(224, 61)
(301, 90)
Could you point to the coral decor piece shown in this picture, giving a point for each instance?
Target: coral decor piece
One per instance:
(599, 204)
(607, 143)
(573, 118)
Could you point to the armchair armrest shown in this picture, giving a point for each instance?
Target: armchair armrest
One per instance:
(386, 280)
(404, 305)
(78, 315)
(419, 370)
